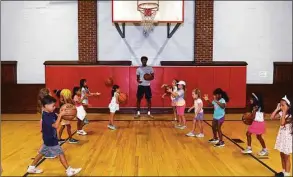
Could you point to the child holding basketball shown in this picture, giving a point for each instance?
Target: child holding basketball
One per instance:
(113, 106)
(219, 104)
(80, 110)
(198, 117)
(65, 96)
(180, 103)
(173, 103)
(50, 123)
(85, 93)
(42, 93)
(258, 125)
(284, 138)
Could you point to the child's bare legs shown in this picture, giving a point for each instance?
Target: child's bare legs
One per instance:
(37, 159)
(183, 120)
(61, 131)
(214, 128)
(220, 131)
(111, 118)
(175, 113)
(199, 124)
(63, 161)
(68, 127)
(287, 164)
(261, 140)
(80, 124)
(248, 137)
(193, 126)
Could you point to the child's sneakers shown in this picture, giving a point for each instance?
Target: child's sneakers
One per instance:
(72, 141)
(190, 134)
(112, 127)
(81, 132)
(263, 153)
(220, 144)
(247, 151)
(72, 171)
(183, 127)
(213, 140)
(200, 135)
(33, 170)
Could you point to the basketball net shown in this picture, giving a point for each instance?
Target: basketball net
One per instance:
(148, 13)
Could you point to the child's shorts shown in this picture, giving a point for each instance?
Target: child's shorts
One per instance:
(51, 151)
(199, 116)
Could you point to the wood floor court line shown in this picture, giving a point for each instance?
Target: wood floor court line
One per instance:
(138, 145)
(253, 156)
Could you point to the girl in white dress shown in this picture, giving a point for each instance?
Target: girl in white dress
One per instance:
(284, 138)
(113, 106)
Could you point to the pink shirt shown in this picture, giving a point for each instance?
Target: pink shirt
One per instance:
(76, 100)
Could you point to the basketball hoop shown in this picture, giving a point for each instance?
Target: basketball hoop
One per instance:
(148, 12)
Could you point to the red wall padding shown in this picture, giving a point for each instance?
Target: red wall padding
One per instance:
(231, 79)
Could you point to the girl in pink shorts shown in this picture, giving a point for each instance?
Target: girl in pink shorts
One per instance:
(180, 104)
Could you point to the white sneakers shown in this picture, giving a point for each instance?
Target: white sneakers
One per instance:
(72, 171)
(112, 127)
(248, 150)
(34, 170)
(81, 132)
(69, 172)
(191, 134)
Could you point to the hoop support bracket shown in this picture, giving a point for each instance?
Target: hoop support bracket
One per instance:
(171, 33)
(121, 30)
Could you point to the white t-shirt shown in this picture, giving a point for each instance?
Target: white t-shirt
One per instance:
(174, 90)
(196, 105)
(84, 91)
(141, 71)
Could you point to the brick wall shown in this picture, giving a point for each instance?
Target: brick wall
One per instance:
(87, 31)
(203, 42)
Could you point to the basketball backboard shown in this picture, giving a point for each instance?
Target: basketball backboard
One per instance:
(127, 11)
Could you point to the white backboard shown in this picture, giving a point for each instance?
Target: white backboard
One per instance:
(127, 11)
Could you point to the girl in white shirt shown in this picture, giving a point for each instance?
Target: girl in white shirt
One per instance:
(113, 106)
(198, 111)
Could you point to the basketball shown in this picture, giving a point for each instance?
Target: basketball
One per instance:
(247, 118)
(109, 82)
(122, 98)
(148, 77)
(167, 88)
(71, 111)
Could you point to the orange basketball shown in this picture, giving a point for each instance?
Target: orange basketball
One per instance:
(122, 98)
(109, 82)
(247, 118)
(148, 77)
(167, 88)
(71, 111)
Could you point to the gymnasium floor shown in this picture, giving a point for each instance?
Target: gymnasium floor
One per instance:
(139, 148)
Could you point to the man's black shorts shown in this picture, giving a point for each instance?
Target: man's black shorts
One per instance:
(144, 90)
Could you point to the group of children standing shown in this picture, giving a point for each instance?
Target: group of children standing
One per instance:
(178, 103)
(50, 120)
(220, 98)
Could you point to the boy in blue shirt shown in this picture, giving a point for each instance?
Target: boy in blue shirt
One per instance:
(51, 147)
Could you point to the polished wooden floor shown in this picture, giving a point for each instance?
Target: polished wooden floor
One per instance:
(138, 148)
